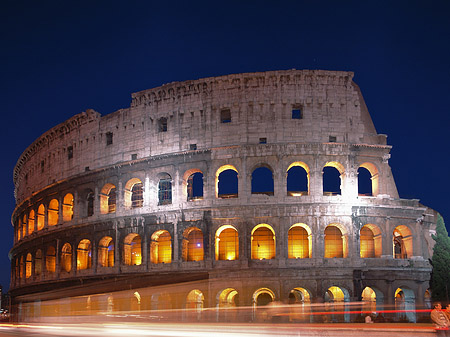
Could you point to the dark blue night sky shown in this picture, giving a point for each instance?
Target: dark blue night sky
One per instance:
(61, 57)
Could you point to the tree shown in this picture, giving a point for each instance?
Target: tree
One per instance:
(440, 277)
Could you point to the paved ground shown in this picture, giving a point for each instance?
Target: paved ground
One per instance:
(218, 330)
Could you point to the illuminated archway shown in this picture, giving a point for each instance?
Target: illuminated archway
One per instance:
(299, 242)
(369, 178)
(21, 267)
(194, 300)
(337, 297)
(263, 296)
(332, 178)
(50, 259)
(228, 297)
(66, 257)
(40, 217)
(161, 247)
(227, 182)
(67, 207)
(108, 199)
(370, 241)
(135, 304)
(369, 299)
(193, 185)
(402, 242)
(164, 189)
(262, 180)
(132, 250)
(263, 242)
(84, 255)
(106, 252)
(227, 243)
(193, 244)
(133, 193)
(24, 225)
(53, 212)
(301, 311)
(31, 222)
(28, 265)
(335, 242)
(405, 304)
(38, 263)
(297, 179)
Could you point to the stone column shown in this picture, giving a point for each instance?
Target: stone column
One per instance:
(96, 201)
(57, 258)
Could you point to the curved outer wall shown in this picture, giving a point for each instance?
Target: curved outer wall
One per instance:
(243, 122)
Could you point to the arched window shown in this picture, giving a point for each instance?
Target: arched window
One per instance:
(263, 242)
(24, 225)
(137, 195)
(108, 199)
(402, 242)
(67, 207)
(369, 299)
(84, 255)
(53, 212)
(299, 243)
(161, 247)
(112, 200)
(21, 267)
(90, 203)
(28, 266)
(368, 180)
(50, 259)
(364, 182)
(336, 297)
(262, 181)
(194, 300)
(18, 230)
(405, 304)
(66, 257)
(299, 296)
(370, 241)
(106, 252)
(227, 243)
(165, 189)
(38, 263)
(132, 250)
(17, 269)
(263, 297)
(193, 244)
(297, 179)
(195, 186)
(134, 193)
(228, 298)
(332, 173)
(40, 217)
(31, 222)
(334, 242)
(227, 182)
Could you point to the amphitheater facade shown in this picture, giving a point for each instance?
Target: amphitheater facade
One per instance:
(244, 189)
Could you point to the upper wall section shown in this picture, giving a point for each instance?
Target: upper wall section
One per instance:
(240, 109)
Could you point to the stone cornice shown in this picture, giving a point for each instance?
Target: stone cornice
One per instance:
(205, 86)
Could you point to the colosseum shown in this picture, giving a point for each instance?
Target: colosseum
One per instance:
(221, 192)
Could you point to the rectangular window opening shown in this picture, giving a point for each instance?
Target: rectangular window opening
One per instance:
(332, 139)
(162, 124)
(70, 152)
(193, 146)
(297, 113)
(134, 156)
(263, 141)
(109, 138)
(225, 116)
